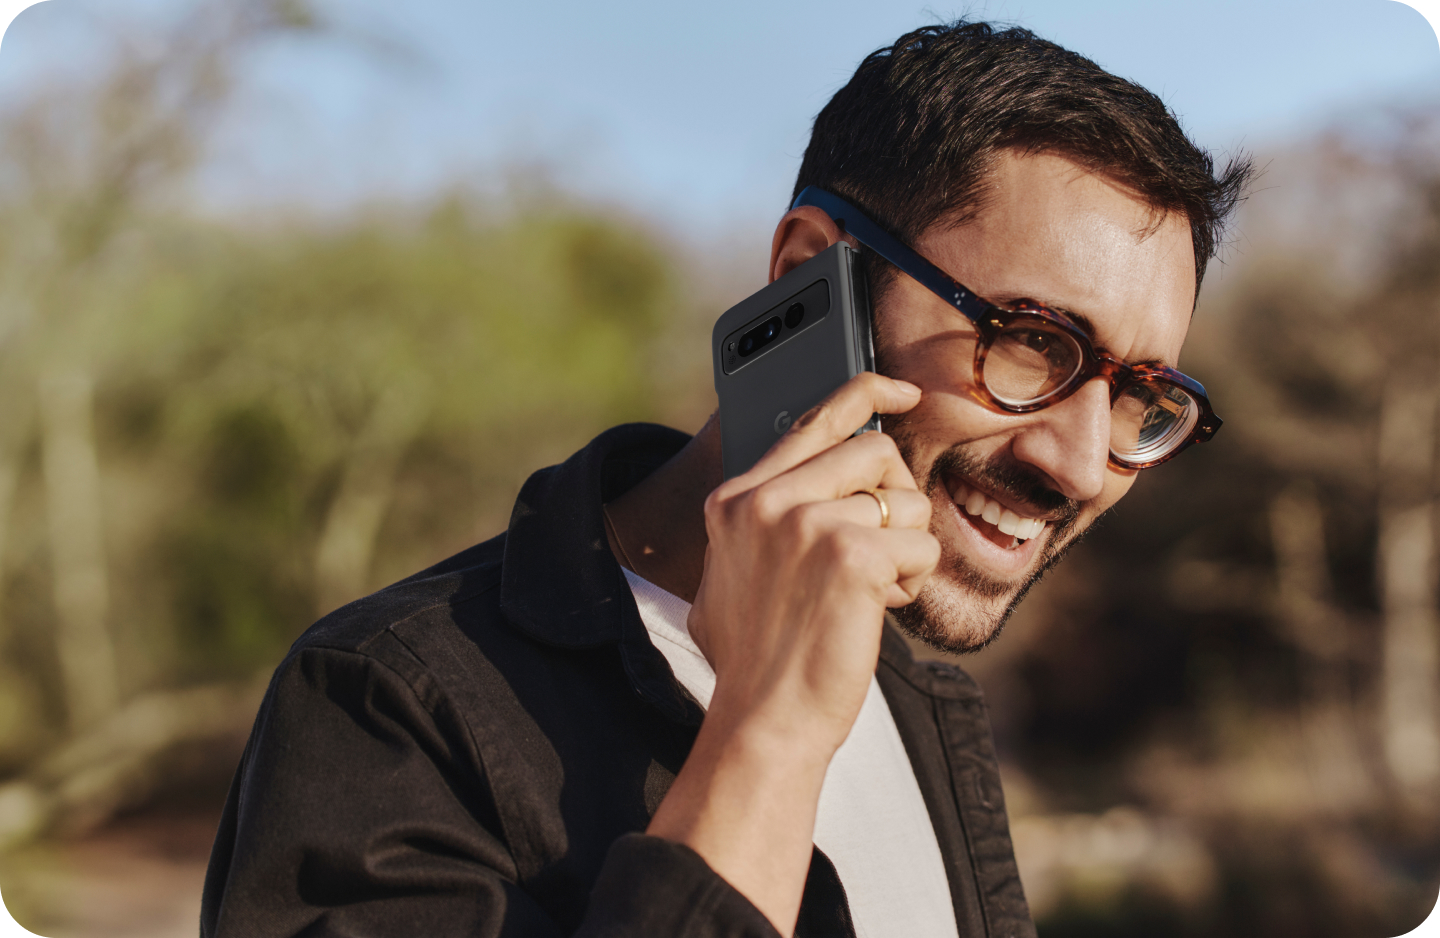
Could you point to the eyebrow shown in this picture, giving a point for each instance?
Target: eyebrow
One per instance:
(1081, 320)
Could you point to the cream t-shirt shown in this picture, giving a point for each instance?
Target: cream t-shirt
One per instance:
(871, 821)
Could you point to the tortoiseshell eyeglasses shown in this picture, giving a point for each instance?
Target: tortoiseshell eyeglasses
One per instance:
(1030, 357)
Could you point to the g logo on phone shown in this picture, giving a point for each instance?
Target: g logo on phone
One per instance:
(782, 422)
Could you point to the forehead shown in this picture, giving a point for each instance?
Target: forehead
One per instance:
(1052, 231)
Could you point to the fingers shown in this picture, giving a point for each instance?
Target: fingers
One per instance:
(868, 461)
(908, 509)
(917, 553)
(833, 420)
(894, 563)
(871, 460)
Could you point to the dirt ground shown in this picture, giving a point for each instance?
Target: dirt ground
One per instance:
(137, 877)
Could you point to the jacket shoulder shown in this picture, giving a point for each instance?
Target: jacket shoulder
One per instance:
(458, 579)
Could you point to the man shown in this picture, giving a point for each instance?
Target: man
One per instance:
(665, 705)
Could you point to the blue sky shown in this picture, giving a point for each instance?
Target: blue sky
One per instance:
(675, 108)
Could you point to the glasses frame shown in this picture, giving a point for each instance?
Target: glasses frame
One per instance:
(989, 320)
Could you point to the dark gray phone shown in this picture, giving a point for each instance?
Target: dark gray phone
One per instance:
(782, 350)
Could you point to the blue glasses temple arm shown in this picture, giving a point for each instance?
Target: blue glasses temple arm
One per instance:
(853, 222)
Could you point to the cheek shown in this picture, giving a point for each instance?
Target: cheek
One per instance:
(1116, 485)
(946, 415)
(940, 361)
(944, 419)
(915, 334)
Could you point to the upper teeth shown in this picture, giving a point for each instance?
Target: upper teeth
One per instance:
(978, 503)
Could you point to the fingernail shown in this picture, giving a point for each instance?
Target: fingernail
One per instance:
(905, 386)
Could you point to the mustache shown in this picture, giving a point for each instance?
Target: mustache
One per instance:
(1017, 482)
(1020, 483)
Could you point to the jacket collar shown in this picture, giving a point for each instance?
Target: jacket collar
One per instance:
(561, 585)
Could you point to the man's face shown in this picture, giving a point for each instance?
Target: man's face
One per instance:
(1079, 243)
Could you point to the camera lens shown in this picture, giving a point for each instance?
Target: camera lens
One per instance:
(794, 314)
(760, 336)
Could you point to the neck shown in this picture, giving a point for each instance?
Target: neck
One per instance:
(657, 529)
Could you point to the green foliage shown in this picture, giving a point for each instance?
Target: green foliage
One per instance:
(233, 557)
(235, 608)
(259, 367)
(251, 464)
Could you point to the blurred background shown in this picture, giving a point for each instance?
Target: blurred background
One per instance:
(294, 296)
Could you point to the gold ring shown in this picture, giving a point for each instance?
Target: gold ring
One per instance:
(884, 506)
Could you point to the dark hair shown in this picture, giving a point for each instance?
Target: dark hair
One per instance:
(911, 137)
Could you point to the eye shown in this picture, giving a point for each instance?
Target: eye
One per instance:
(1037, 341)
(1134, 402)
(1033, 340)
(1141, 395)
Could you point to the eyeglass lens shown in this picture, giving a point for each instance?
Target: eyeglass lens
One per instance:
(1150, 419)
(1031, 360)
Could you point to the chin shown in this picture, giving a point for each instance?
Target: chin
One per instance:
(965, 604)
(960, 610)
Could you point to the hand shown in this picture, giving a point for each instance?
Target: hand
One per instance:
(798, 572)
(789, 612)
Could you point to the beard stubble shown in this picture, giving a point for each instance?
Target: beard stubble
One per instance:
(961, 608)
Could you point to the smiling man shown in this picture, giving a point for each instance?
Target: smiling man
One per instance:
(1056, 232)
(663, 704)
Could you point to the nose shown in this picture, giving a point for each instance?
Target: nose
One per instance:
(1070, 441)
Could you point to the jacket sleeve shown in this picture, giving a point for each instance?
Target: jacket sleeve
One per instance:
(356, 812)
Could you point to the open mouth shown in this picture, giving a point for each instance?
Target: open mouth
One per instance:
(1001, 525)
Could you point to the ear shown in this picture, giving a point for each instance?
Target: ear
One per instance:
(801, 234)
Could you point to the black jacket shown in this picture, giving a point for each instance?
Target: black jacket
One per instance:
(476, 749)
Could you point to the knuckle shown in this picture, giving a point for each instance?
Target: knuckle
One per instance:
(766, 504)
(817, 415)
(871, 382)
(714, 511)
(869, 444)
(850, 551)
(932, 551)
(883, 447)
(715, 502)
(924, 509)
(887, 445)
(720, 504)
(803, 522)
(729, 508)
(726, 491)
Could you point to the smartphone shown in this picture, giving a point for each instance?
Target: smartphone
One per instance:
(782, 350)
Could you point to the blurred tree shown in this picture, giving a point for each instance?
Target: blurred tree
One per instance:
(208, 424)
(456, 332)
(1406, 316)
(79, 164)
